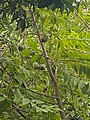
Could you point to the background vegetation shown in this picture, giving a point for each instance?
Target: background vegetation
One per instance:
(27, 91)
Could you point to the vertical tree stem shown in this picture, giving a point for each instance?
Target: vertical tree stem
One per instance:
(58, 96)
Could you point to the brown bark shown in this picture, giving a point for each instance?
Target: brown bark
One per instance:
(58, 96)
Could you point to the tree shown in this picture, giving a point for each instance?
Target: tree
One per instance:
(28, 91)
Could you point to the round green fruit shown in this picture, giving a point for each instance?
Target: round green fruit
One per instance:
(44, 38)
(20, 48)
(36, 65)
(42, 67)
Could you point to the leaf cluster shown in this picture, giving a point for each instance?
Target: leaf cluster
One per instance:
(17, 9)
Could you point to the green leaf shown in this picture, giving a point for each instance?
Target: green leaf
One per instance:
(26, 53)
(39, 102)
(67, 77)
(21, 24)
(24, 70)
(88, 72)
(19, 78)
(80, 70)
(71, 82)
(84, 69)
(32, 43)
(38, 109)
(2, 97)
(81, 84)
(44, 3)
(4, 106)
(25, 101)
(69, 6)
(76, 82)
(17, 96)
(15, 16)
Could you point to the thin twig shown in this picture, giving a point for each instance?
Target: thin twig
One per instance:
(87, 26)
(41, 94)
(76, 50)
(19, 111)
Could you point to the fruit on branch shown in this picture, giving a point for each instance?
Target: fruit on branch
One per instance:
(45, 89)
(36, 65)
(42, 67)
(20, 48)
(44, 38)
(70, 108)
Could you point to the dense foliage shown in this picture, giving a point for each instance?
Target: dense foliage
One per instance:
(27, 92)
(17, 9)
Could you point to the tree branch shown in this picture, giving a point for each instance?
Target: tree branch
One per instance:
(59, 101)
(19, 111)
(86, 25)
(41, 94)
